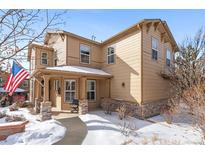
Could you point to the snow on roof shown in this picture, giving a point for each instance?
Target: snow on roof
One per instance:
(79, 69)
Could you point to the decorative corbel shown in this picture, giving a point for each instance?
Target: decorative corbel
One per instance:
(156, 24)
(139, 26)
(162, 36)
(148, 25)
(62, 36)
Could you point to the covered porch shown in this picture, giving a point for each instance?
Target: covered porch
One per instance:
(60, 85)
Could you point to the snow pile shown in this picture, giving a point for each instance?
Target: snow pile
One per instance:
(36, 132)
(108, 129)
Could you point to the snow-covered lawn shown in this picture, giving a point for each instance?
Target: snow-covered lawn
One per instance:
(36, 132)
(108, 129)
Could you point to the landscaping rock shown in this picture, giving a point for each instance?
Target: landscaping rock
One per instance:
(13, 107)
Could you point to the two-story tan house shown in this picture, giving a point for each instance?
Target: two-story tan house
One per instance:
(126, 67)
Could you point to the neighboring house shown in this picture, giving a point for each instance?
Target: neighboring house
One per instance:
(4, 76)
(126, 67)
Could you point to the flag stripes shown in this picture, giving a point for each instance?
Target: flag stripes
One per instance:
(17, 76)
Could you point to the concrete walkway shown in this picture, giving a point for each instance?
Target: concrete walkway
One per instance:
(76, 131)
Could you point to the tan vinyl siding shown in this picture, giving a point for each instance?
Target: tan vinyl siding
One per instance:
(154, 86)
(73, 53)
(127, 67)
(33, 61)
(36, 58)
(58, 42)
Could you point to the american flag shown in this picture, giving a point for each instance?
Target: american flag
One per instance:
(17, 76)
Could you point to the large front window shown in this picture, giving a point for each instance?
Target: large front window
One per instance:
(155, 48)
(70, 90)
(84, 54)
(91, 90)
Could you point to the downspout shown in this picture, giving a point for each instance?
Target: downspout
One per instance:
(142, 87)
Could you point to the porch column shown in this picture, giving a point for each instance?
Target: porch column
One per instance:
(37, 89)
(46, 88)
(45, 111)
(83, 102)
(109, 84)
(83, 88)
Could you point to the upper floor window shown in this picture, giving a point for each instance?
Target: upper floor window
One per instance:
(44, 58)
(55, 62)
(110, 55)
(84, 54)
(168, 57)
(155, 48)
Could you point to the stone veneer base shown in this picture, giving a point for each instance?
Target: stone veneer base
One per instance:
(144, 110)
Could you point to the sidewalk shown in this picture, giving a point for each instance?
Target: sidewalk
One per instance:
(76, 130)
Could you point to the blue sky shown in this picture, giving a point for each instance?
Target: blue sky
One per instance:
(105, 23)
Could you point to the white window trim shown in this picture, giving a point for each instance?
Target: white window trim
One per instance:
(93, 100)
(110, 55)
(85, 54)
(44, 58)
(68, 90)
(154, 48)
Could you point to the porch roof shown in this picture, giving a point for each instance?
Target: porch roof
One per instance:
(79, 70)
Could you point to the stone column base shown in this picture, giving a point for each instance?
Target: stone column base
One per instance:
(83, 106)
(37, 105)
(45, 111)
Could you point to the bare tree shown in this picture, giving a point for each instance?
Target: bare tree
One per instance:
(19, 28)
(187, 78)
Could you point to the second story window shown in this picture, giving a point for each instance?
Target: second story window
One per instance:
(44, 58)
(84, 54)
(168, 57)
(110, 55)
(55, 62)
(155, 48)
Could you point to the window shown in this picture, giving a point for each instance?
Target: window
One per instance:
(1, 81)
(168, 57)
(56, 85)
(44, 58)
(91, 90)
(110, 55)
(25, 83)
(84, 54)
(42, 88)
(55, 62)
(203, 69)
(69, 90)
(155, 48)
